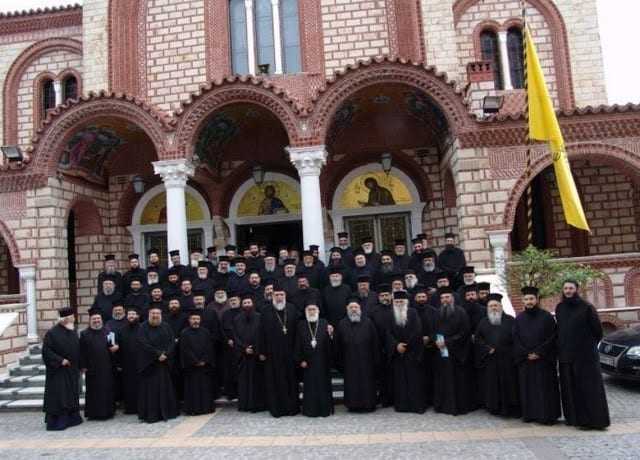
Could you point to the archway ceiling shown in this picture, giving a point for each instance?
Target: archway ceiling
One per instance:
(386, 117)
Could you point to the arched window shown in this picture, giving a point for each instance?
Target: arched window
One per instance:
(490, 52)
(48, 97)
(264, 32)
(69, 88)
(516, 56)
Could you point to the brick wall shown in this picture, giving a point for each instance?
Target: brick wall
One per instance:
(54, 62)
(353, 30)
(585, 51)
(4, 267)
(608, 200)
(501, 11)
(440, 37)
(95, 42)
(176, 63)
(13, 340)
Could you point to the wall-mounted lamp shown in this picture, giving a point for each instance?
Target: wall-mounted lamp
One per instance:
(138, 184)
(386, 161)
(258, 174)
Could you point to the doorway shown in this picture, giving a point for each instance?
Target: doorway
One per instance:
(384, 228)
(271, 235)
(158, 241)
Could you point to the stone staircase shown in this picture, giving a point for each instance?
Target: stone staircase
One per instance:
(23, 388)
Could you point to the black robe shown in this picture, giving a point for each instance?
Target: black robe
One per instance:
(127, 360)
(334, 303)
(227, 366)
(451, 260)
(358, 358)
(429, 319)
(534, 331)
(317, 400)
(584, 401)
(62, 384)
(304, 296)
(281, 383)
(96, 358)
(382, 317)
(131, 274)
(140, 300)
(156, 396)
(453, 388)
(197, 347)
(475, 312)
(246, 330)
(105, 304)
(497, 373)
(407, 369)
(117, 278)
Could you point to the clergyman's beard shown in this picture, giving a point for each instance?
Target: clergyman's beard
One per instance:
(68, 325)
(221, 298)
(386, 268)
(110, 270)
(400, 315)
(354, 316)
(411, 283)
(429, 267)
(447, 309)
(335, 283)
(108, 290)
(312, 317)
(95, 327)
(279, 305)
(495, 317)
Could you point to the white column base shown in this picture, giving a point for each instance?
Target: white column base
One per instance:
(28, 277)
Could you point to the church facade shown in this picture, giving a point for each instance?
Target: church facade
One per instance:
(131, 124)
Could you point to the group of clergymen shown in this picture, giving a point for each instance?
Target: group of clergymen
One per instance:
(408, 331)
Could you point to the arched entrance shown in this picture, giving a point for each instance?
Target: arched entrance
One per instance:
(268, 213)
(149, 222)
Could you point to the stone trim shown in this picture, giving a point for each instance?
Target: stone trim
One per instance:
(7, 235)
(22, 22)
(404, 22)
(561, 59)
(17, 69)
(630, 298)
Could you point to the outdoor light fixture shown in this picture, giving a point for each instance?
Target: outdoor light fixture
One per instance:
(492, 104)
(263, 69)
(258, 174)
(138, 184)
(12, 153)
(386, 160)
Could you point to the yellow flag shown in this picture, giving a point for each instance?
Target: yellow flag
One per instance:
(543, 126)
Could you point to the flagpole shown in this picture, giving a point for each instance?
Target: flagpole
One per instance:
(527, 139)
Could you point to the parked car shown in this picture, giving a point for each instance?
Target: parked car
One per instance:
(620, 354)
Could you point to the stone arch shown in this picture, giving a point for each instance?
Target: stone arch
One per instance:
(562, 62)
(70, 72)
(87, 216)
(485, 25)
(386, 70)
(231, 90)
(48, 143)
(632, 287)
(17, 69)
(7, 235)
(37, 96)
(450, 195)
(608, 154)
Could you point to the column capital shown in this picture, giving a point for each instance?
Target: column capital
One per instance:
(27, 272)
(308, 160)
(498, 238)
(174, 173)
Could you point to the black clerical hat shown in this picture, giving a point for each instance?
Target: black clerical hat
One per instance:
(336, 269)
(268, 282)
(278, 286)
(399, 243)
(152, 270)
(133, 256)
(155, 306)
(530, 290)
(195, 312)
(219, 287)
(336, 249)
(152, 251)
(442, 275)
(133, 278)
(428, 253)
(367, 239)
(484, 286)
(129, 308)
(386, 252)
(289, 262)
(306, 253)
(108, 277)
(203, 263)
(239, 259)
(223, 259)
(468, 269)
(117, 303)
(400, 295)
(230, 247)
(64, 312)
(353, 299)
(175, 252)
(199, 292)
(449, 235)
(445, 290)
(109, 257)
(211, 249)
(270, 254)
(358, 252)
(409, 271)
(494, 296)
(198, 250)
(383, 287)
(248, 295)
(416, 241)
(364, 279)
(304, 275)
(314, 247)
(94, 311)
(155, 286)
(470, 287)
(343, 235)
(422, 236)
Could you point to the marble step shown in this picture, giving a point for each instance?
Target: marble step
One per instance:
(29, 369)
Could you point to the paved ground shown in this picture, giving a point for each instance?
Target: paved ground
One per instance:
(383, 434)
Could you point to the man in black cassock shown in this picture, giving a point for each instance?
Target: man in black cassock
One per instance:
(497, 374)
(428, 319)
(246, 334)
(61, 356)
(127, 360)
(197, 359)
(137, 295)
(107, 297)
(277, 340)
(470, 305)
(534, 348)
(405, 351)
(229, 362)
(584, 401)
(97, 346)
(453, 389)
(156, 348)
(358, 350)
(313, 353)
(335, 295)
(382, 317)
(452, 258)
(135, 272)
(110, 272)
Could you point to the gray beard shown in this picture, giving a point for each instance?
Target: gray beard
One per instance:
(494, 318)
(279, 305)
(108, 291)
(110, 271)
(411, 283)
(386, 268)
(95, 328)
(428, 268)
(354, 317)
(400, 316)
(335, 283)
(447, 310)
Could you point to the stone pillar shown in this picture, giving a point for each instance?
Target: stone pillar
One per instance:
(499, 240)
(175, 174)
(277, 39)
(28, 278)
(251, 37)
(57, 88)
(309, 161)
(504, 60)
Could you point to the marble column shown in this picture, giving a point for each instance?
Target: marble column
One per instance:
(504, 60)
(28, 278)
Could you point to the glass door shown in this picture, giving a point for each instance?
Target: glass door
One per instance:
(158, 240)
(384, 228)
(360, 228)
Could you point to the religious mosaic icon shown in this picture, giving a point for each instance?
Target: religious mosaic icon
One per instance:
(88, 150)
(375, 189)
(271, 198)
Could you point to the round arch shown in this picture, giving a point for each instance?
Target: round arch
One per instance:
(415, 208)
(87, 216)
(387, 70)
(60, 125)
(17, 69)
(138, 229)
(232, 90)
(608, 154)
(7, 236)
